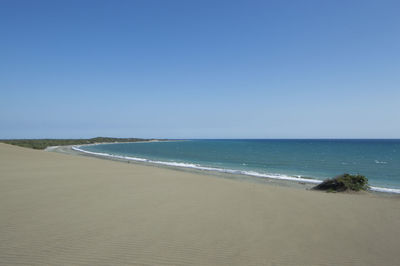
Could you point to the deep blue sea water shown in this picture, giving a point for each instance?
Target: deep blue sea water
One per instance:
(378, 160)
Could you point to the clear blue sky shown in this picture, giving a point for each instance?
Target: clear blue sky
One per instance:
(200, 69)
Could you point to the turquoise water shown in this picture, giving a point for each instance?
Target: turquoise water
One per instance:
(378, 160)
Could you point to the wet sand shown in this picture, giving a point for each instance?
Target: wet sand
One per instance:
(60, 209)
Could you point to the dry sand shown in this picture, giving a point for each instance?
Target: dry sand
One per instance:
(58, 209)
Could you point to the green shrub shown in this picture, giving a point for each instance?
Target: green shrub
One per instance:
(344, 182)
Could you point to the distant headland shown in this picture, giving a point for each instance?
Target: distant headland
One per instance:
(41, 144)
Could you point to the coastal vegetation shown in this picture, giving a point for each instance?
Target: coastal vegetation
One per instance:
(40, 144)
(345, 182)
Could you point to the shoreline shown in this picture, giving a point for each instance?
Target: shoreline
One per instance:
(287, 181)
(225, 175)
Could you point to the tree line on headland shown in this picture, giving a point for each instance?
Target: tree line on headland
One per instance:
(40, 144)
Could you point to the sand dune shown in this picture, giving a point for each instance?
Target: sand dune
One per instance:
(58, 209)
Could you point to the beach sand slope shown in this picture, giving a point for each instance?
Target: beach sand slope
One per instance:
(58, 209)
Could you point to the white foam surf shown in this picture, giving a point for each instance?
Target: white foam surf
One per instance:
(223, 170)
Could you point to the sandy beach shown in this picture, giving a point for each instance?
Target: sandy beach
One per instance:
(60, 209)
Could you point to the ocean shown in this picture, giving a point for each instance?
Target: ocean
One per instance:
(300, 160)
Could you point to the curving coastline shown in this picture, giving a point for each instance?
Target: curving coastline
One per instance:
(220, 170)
